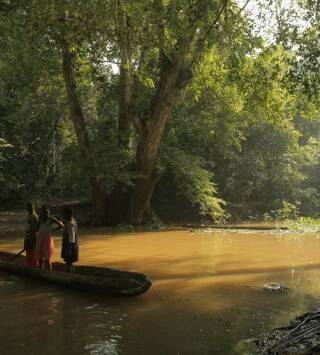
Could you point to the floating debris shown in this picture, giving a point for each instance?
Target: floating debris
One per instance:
(275, 287)
(302, 336)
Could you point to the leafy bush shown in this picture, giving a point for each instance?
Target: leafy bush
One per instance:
(288, 211)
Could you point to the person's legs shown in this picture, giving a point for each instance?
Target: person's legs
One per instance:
(70, 267)
(48, 265)
(30, 258)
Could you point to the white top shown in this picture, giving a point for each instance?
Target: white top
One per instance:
(72, 231)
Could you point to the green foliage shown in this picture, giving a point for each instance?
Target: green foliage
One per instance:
(7, 186)
(3, 144)
(306, 44)
(288, 211)
(302, 225)
(245, 130)
(195, 182)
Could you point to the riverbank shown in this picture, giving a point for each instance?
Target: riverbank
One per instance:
(14, 220)
(301, 336)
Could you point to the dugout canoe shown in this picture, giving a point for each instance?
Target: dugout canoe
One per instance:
(87, 278)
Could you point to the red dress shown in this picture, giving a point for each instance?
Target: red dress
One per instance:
(30, 258)
(44, 246)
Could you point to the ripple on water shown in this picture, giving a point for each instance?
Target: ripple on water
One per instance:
(206, 296)
(109, 347)
(91, 306)
(6, 283)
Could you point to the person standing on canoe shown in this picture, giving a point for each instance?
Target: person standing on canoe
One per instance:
(30, 235)
(44, 245)
(70, 243)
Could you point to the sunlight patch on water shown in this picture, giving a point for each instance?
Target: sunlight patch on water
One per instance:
(206, 295)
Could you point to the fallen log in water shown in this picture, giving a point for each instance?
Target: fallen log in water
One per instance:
(234, 226)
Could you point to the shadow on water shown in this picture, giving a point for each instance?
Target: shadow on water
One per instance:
(36, 316)
(206, 296)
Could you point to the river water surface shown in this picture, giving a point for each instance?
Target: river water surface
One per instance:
(206, 296)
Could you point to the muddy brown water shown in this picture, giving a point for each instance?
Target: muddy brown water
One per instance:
(206, 296)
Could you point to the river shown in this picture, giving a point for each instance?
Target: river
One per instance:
(206, 297)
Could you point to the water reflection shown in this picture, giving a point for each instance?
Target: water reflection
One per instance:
(106, 347)
(36, 317)
(206, 297)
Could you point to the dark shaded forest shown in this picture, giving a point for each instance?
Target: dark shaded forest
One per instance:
(160, 109)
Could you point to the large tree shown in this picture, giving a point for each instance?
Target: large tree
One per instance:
(123, 70)
(158, 45)
(161, 44)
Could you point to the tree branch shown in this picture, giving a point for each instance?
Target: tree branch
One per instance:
(243, 8)
(125, 97)
(201, 43)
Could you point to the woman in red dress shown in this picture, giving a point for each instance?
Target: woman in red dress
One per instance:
(44, 246)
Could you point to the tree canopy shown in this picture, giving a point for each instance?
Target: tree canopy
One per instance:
(142, 106)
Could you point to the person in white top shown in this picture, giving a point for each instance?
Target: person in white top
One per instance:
(70, 244)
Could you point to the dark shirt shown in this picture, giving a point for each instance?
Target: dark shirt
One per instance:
(30, 231)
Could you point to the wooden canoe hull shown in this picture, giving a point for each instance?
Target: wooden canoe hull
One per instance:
(86, 278)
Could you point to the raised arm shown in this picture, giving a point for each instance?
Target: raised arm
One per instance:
(57, 222)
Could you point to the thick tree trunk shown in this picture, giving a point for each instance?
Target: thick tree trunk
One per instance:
(140, 208)
(97, 194)
(166, 96)
(175, 73)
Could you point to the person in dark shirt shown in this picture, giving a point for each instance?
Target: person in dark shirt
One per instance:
(30, 235)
